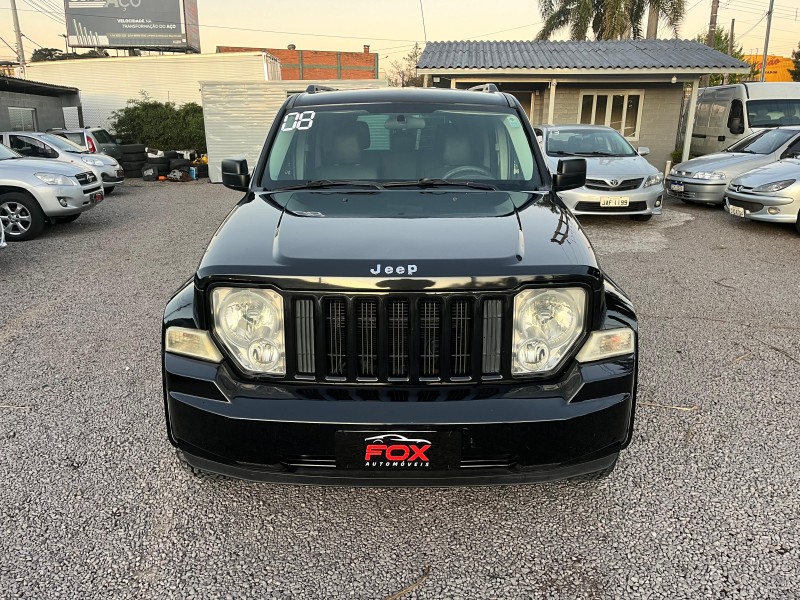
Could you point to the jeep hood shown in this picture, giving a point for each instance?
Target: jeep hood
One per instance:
(42, 165)
(260, 239)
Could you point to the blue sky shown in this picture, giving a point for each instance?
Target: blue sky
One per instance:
(392, 26)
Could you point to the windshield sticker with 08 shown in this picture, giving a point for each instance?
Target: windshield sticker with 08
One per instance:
(298, 120)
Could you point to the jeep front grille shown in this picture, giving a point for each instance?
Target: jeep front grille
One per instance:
(418, 337)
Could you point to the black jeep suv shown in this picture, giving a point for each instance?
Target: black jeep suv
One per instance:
(400, 299)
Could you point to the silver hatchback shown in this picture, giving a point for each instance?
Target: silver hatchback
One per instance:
(704, 180)
(771, 193)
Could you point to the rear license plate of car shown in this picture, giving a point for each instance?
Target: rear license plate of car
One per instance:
(614, 201)
(675, 187)
(398, 450)
(736, 211)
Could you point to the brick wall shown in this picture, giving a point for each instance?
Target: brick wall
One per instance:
(319, 64)
(660, 114)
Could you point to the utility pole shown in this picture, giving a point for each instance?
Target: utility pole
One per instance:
(730, 47)
(712, 30)
(20, 49)
(766, 39)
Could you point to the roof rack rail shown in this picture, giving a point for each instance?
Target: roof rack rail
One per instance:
(314, 89)
(486, 87)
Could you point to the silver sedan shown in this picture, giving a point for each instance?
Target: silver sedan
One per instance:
(771, 193)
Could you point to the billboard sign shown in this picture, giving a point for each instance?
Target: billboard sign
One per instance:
(159, 24)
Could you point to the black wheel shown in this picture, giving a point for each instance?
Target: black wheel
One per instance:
(133, 173)
(158, 160)
(20, 216)
(641, 218)
(596, 475)
(797, 225)
(202, 474)
(69, 218)
(172, 154)
(133, 148)
(110, 190)
(178, 163)
(130, 165)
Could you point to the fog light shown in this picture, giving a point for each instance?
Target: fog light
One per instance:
(773, 210)
(658, 202)
(63, 202)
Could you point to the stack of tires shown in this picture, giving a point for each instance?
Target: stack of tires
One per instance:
(162, 163)
(133, 158)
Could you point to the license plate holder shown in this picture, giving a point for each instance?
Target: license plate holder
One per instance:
(614, 201)
(676, 187)
(736, 211)
(398, 451)
(97, 197)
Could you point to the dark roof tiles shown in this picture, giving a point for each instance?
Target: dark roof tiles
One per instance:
(607, 54)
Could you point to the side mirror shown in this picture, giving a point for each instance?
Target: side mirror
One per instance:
(571, 174)
(737, 127)
(235, 174)
(644, 151)
(50, 153)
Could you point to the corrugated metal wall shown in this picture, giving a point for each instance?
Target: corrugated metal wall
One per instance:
(238, 115)
(106, 84)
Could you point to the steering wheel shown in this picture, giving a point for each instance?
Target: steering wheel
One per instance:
(467, 169)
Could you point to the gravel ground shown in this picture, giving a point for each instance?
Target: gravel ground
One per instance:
(704, 504)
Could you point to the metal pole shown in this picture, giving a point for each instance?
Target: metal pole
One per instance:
(727, 76)
(712, 28)
(766, 39)
(20, 49)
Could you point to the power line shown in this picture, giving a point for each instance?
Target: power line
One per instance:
(30, 40)
(39, 9)
(320, 35)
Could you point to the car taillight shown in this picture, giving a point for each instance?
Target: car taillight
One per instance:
(90, 144)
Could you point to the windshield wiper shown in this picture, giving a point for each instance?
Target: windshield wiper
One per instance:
(318, 184)
(428, 182)
(596, 153)
(560, 153)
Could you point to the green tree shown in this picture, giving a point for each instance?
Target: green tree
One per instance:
(722, 39)
(795, 73)
(162, 125)
(608, 19)
(403, 73)
(44, 54)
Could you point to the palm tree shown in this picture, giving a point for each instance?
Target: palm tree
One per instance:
(609, 19)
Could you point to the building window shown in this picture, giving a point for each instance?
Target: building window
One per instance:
(22, 119)
(619, 109)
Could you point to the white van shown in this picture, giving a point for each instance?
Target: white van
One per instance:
(728, 113)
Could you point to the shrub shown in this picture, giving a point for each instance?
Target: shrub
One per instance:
(677, 155)
(162, 125)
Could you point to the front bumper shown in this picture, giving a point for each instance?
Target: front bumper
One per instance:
(113, 177)
(641, 201)
(509, 432)
(62, 201)
(756, 206)
(696, 190)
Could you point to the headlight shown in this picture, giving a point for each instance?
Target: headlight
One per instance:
(55, 179)
(653, 180)
(775, 186)
(249, 323)
(546, 325)
(709, 175)
(95, 162)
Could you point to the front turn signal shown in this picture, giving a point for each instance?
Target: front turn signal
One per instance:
(606, 344)
(192, 342)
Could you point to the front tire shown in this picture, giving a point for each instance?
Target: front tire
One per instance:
(21, 217)
(68, 218)
(797, 224)
(642, 218)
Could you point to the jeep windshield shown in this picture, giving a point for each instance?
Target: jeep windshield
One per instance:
(401, 146)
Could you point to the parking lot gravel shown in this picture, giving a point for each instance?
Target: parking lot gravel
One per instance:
(704, 503)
